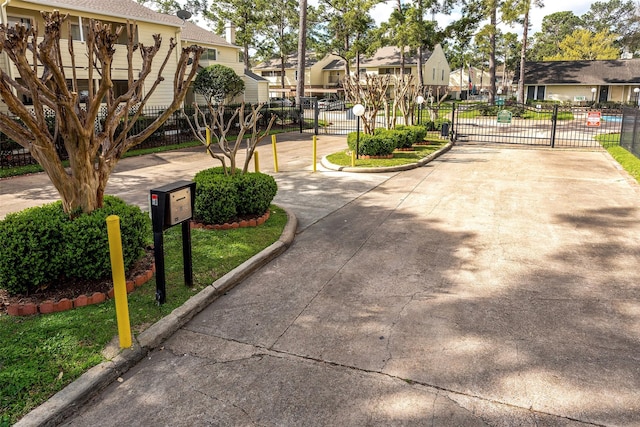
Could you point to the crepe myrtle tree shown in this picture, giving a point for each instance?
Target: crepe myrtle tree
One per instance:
(96, 129)
(218, 84)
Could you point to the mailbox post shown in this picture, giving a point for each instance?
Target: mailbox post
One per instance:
(172, 204)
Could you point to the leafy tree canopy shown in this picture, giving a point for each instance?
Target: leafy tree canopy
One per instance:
(584, 45)
(218, 83)
(555, 27)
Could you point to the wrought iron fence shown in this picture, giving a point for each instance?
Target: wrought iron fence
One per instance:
(337, 118)
(544, 124)
(630, 131)
(175, 130)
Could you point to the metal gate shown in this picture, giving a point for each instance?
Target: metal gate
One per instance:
(548, 125)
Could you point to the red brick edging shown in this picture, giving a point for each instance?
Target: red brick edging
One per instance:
(64, 304)
(226, 226)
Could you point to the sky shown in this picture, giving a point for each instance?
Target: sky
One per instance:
(382, 12)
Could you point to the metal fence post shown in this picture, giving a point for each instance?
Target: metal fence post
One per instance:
(554, 123)
(453, 121)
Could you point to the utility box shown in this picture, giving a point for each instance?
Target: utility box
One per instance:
(172, 204)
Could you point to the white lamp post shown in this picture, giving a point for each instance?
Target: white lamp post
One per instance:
(637, 92)
(358, 110)
(593, 94)
(419, 100)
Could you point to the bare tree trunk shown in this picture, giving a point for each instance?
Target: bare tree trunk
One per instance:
(371, 94)
(302, 49)
(93, 153)
(523, 54)
(492, 54)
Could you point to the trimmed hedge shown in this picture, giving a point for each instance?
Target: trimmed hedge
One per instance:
(223, 198)
(384, 141)
(42, 245)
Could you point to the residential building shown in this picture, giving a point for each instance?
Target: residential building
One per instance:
(116, 13)
(324, 77)
(476, 82)
(583, 81)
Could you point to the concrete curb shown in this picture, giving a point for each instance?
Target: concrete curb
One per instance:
(61, 405)
(327, 164)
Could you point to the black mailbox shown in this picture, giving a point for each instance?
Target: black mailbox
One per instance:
(172, 204)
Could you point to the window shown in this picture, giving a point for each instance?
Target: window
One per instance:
(240, 56)
(209, 55)
(270, 73)
(434, 75)
(13, 20)
(536, 92)
(79, 29)
(442, 78)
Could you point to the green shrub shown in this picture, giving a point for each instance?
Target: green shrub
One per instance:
(428, 125)
(255, 193)
(420, 133)
(221, 198)
(216, 197)
(404, 136)
(380, 144)
(41, 245)
(417, 133)
(86, 243)
(438, 123)
(31, 251)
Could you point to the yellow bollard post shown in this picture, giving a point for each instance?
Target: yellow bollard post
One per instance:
(275, 153)
(208, 136)
(315, 152)
(256, 161)
(353, 158)
(119, 283)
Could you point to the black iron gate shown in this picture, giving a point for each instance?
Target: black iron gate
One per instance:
(548, 125)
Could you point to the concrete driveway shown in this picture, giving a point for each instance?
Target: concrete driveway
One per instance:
(495, 286)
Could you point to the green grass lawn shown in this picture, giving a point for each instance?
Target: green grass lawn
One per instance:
(627, 160)
(546, 115)
(23, 170)
(343, 158)
(41, 354)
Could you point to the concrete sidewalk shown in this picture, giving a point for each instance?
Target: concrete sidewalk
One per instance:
(492, 287)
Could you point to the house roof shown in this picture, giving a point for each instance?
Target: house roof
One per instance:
(255, 77)
(133, 10)
(617, 71)
(194, 33)
(390, 56)
(118, 8)
(291, 61)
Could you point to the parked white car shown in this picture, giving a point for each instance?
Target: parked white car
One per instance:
(280, 102)
(331, 104)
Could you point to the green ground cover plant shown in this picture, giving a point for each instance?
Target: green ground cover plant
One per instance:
(42, 354)
(343, 158)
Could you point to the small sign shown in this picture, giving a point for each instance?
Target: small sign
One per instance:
(579, 98)
(500, 102)
(594, 118)
(504, 116)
